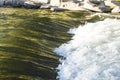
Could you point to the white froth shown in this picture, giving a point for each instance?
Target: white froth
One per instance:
(93, 53)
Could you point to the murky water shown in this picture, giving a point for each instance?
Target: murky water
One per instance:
(27, 41)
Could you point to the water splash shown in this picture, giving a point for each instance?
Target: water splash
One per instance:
(93, 53)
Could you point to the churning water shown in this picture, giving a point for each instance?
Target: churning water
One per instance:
(93, 53)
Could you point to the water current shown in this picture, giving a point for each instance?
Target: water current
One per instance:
(93, 53)
(27, 40)
(29, 37)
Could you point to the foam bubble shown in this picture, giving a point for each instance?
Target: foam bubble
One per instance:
(93, 53)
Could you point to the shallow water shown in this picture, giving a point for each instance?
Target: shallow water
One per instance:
(26, 45)
(93, 53)
(27, 40)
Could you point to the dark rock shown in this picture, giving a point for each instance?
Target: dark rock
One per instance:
(103, 7)
(95, 1)
(7, 2)
(18, 3)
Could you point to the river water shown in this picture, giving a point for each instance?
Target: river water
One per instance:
(93, 53)
(29, 40)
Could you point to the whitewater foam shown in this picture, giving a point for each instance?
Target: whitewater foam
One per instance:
(93, 53)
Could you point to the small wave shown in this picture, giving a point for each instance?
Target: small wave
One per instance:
(93, 53)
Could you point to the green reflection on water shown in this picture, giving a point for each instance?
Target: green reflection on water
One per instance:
(27, 41)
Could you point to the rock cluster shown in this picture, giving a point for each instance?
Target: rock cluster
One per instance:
(107, 5)
(92, 5)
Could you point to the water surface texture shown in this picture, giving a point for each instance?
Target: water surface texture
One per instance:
(27, 40)
(93, 53)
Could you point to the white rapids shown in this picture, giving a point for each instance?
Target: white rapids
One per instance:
(93, 53)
